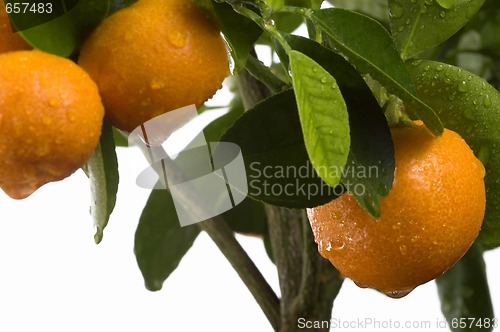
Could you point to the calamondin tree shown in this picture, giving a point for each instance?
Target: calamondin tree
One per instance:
(369, 136)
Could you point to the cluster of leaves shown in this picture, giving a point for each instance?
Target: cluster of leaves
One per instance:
(330, 95)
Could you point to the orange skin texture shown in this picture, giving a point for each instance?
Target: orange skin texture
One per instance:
(50, 120)
(9, 40)
(153, 57)
(429, 220)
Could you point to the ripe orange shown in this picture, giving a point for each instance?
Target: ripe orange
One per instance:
(50, 120)
(429, 219)
(153, 57)
(9, 41)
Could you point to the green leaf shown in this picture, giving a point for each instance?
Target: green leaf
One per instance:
(102, 170)
(323, 117)
(276, 161)
(422, 24)
(239, 31)
(375, 53)
(375, 8)
(465, 295)
(248, 217)
(470, 106)
(370, 166)
(62, 35)
(218, 127)
(160, 241)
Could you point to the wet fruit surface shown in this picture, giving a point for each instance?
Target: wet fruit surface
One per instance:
(50, 120)
(429, 219)
(154, 57)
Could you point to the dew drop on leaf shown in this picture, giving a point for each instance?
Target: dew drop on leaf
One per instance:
(446, 4)
(396, 10)
(462, 86)
(487, 101)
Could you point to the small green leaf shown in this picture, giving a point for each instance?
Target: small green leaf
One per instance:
(370, 166)
(276, 161)
(62, 35)
(465, 295)
(239, 31)
(420, 25)
(375, 53)
(323, 117)
(470, 106)
(102, 170)
(160, 241)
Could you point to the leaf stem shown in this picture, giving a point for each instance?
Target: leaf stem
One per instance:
(264, 74)
(266, 25)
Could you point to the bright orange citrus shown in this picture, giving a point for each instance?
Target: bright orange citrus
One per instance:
(429, 219)
(153, 57)
(50, 120)
(9, 41)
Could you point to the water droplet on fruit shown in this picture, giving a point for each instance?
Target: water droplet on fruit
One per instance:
(446, 4)
(360, 284)
(315, 70)
(177, 38)
(328, 246)
(439, 67)
(396, 10)
(46, 120)
(157, 83)
(398, 294)
(486, 101)
(53, 102)
(403, 249)
(323, 80)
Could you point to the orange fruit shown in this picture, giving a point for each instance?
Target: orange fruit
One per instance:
(153, 57)
(10, 41)
(429, 219)
(50, 120)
